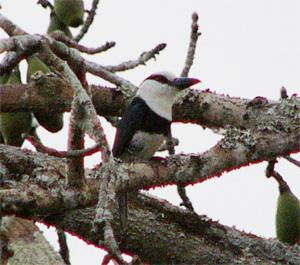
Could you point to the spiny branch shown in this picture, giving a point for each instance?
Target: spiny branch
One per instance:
(144, 57)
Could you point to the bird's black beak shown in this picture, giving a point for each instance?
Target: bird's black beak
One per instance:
(184, 82)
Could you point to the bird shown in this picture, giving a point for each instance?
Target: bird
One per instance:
(14, 124)
(147, 122)
(52, 122)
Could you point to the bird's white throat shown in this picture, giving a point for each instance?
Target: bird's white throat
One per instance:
(159, 97)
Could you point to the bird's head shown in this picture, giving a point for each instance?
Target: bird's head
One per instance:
(159, 91)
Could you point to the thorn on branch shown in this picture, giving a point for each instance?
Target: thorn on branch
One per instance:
(45, 4)
(192, 47)
(283, 93)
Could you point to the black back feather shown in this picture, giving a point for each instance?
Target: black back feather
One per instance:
(138, 117)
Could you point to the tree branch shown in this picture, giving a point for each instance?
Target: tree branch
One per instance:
(192, 47)
(184, 236)
(88, 21)
(64, 250)
(59, 36)
(234, 151)
(194, 239)
(199, 107)
(144, 57)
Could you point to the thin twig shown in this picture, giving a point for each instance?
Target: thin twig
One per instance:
(74, 57)
(106, 259)
(124, 85)
(64, 250)
(64, 154)
(88, 21)
(270, 172)
(292, 160)
(188, 64)
(111, 243)
(270, 167)
(143, 58)
(60, 36)
(185, 199)
(192, 47)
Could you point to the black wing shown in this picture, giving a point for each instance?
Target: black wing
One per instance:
(131, 122)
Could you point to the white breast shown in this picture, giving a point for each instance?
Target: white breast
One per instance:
(144, 145)
(159, 97)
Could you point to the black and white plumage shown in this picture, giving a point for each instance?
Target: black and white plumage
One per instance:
(147, 121)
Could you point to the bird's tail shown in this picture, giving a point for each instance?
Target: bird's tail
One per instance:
(123, 208)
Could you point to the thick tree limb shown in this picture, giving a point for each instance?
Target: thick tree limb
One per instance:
(33, 184)
(184, 236)
(28, 244)
(45, 194)
(234, 151)
(200, 107)
(163, 234)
